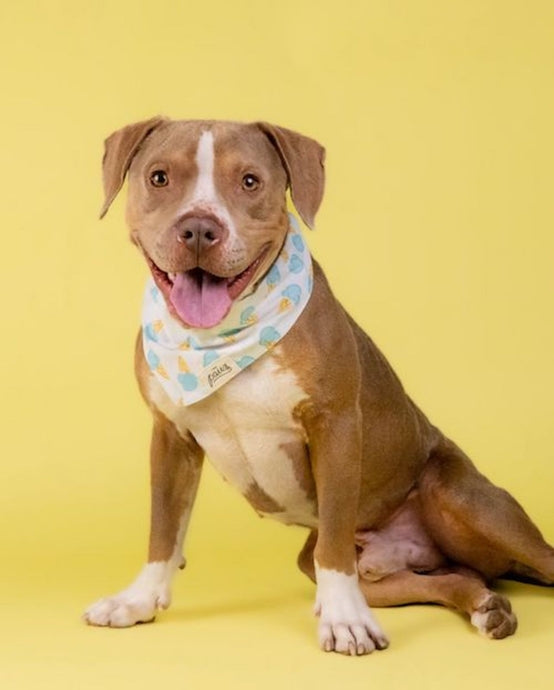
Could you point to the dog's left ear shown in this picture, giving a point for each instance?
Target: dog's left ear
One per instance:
(303, 160)
(119, 150)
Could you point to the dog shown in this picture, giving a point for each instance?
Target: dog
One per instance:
(246, 356)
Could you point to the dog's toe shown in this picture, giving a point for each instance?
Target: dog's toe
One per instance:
(352, 640)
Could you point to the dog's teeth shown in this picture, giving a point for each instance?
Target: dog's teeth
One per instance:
(172, 276)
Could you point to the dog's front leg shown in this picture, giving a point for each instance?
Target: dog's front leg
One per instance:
(346, 623)
(176, 464)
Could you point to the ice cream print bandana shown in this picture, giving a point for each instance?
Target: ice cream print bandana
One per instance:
(192, 363)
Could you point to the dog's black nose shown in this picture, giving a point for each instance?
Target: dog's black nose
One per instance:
(199, 233)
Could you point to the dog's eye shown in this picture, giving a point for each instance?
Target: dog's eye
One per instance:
(250, 182)
(159, 178)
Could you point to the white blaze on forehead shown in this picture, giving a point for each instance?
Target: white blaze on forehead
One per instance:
(205, 194)
(205, 158)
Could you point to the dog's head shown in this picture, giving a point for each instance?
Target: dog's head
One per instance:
(207, 204)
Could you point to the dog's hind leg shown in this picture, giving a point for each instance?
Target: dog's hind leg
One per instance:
(457, 588)
(477, 524)
(306, 556)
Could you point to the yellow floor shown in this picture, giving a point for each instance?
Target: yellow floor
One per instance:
(232, 626)
(241, 615)
(259, 634)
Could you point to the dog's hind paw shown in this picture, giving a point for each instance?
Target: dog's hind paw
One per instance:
(493, 617)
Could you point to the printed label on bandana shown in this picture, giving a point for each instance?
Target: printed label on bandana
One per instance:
(219, 373)
(192, 363)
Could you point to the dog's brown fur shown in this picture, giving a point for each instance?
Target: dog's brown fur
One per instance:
(370, 463)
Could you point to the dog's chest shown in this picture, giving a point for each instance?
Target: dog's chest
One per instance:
(249, 433)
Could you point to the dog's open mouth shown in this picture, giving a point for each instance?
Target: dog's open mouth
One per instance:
(201, 299)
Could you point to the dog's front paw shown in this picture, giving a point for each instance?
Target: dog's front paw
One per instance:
(346, 623)
(121, 611)
(136, 604)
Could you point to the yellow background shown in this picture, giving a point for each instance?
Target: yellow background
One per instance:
(436, 232)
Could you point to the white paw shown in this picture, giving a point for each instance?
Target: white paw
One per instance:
(346, 623)
(137, 604)
(122, 610)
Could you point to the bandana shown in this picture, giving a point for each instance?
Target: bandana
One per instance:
(192, 363)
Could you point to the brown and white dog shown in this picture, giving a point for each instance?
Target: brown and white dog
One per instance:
(397, 513)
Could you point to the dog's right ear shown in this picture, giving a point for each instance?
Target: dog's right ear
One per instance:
(119, 150)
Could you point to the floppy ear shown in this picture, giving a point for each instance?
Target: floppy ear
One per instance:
(303, 160)
(119, 150)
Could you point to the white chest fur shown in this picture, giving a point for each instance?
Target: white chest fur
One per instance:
(248, 431)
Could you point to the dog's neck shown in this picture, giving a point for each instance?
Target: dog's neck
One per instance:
(192, 363)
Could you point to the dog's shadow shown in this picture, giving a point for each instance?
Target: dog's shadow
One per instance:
(298, 603)
(237, 605)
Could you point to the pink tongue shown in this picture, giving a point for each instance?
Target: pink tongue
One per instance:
(200, 299)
